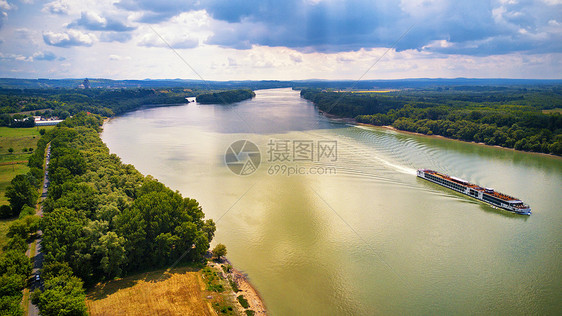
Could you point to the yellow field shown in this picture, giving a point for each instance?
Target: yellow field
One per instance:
(552, 111)
(372, 91)
(178, 292)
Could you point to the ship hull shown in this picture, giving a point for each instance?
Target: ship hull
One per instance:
(486, 195)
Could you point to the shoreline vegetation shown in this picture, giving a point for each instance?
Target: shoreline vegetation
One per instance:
(351, 121)
(97, 214)
(105, 221)
(510, 118)
(225, 97)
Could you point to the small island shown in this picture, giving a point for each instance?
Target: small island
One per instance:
(226, 97)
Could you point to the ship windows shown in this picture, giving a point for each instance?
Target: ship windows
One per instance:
(446, 183)
(491, 199)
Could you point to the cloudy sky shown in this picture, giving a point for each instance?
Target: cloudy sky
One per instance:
(281, 39)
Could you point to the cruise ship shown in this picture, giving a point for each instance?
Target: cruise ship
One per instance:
(487, 195)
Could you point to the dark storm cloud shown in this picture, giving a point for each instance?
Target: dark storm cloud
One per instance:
(477, 27)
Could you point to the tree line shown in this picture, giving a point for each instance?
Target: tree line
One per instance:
(106, 102)
(102, 218)
(225, 97)
(507, 118)
(15, 266)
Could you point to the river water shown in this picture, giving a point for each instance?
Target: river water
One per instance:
(356, 232)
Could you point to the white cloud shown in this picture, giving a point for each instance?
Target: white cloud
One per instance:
(119, 58)
(4, 5)
(56, 7)
(69, 38)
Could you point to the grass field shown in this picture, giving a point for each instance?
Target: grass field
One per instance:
(12, 164)
(180, 291)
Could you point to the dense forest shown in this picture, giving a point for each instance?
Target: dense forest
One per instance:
(17, 106)
(102, 218)
(225, 97)
(107, 102)
(514, 117)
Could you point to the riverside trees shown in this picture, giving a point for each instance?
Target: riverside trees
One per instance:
(104, 219)
(227, 97)
(510, 118)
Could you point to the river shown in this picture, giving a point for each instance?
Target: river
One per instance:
(356, 232)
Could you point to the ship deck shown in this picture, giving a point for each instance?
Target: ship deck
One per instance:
(496, 194)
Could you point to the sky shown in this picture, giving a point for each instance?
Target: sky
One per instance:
(280, 40)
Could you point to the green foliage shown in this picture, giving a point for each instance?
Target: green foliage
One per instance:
(62, 295)
(21, 192)
(219, 251)
(24, 226)
(63, 103)
(16, 243)
(250, 312)
(5, 211)
(243, 301)
(226, 268)
(26, 211)
(508, 118)
(212, 280)
(11, 305)
(42, 131)
(104, 219)
(15, 262)
(225, 97)
(15, 267)
(54, 269)
(234, 286)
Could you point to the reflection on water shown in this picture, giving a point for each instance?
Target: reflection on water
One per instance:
(372, 239)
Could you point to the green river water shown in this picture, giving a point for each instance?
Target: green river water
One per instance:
(367, 236)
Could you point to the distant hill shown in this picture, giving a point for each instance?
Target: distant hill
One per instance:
(13, 83)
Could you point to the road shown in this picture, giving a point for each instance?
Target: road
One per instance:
(38, 256)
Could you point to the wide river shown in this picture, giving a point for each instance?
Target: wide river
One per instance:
(356, 232)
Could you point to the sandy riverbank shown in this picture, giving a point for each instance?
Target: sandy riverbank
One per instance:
(245, 288)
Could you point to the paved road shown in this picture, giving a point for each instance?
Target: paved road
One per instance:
(38, 257)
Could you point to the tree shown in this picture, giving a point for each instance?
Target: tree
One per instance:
(20, 192)
(5, 211)
(112, 250)
(10, 150)
(15, 262)
(63, 295)
(55, 269)
(11, 305)
(42, 131)
(219, 251)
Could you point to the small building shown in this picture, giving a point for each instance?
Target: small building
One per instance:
(47, 123)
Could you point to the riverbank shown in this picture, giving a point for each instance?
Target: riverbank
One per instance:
(352, 121)
(392, 128)
(244, 286)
